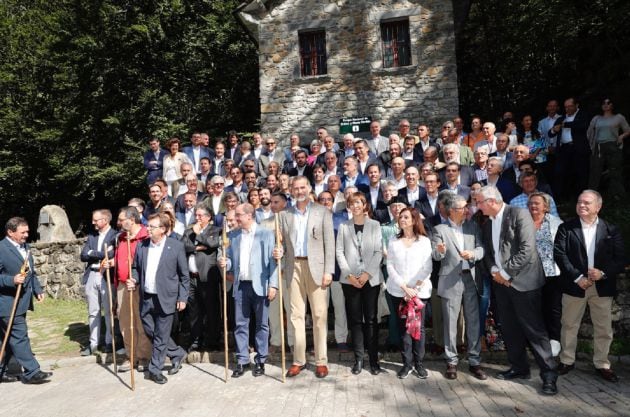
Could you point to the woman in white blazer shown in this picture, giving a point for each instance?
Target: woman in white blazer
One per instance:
(409, 267)
(359, 253)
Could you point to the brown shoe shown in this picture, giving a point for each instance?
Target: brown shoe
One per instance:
(477, 372)
(294, 370)
(608, 375)
(321, 371)
(451, 371)
(564, 369)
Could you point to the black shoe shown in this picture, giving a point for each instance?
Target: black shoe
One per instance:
(376, 369)
(564, 369)
(420, 371)
(87, 351)
(176, 365)
(607, 374)
(357, 367)
(512, 374)
(259, 369)
(39, 378)
(549, 387)
(239, 370)
(194, 347)
(404, 372)
(9, 378)
(158, 378)
(107, 349)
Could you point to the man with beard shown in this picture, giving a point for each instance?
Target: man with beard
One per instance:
(264, 211)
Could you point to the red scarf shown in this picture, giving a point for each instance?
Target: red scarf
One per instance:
(412, 311)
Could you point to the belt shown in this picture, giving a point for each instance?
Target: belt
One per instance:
(97, 269)
(300, 258)
(566, 144)
(194, 275)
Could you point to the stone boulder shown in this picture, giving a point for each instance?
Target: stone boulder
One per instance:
(53, 225)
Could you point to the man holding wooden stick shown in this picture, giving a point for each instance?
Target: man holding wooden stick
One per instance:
(18, 285)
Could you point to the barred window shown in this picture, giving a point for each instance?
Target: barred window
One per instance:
(396, 43)
(312, 53)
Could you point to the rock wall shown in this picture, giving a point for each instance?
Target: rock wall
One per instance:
(356, 84)
(59, 268)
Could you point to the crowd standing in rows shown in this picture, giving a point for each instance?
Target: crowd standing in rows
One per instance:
(408, 227)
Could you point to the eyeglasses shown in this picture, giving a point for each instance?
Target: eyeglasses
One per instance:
(459, 208)
(271, 143)
(150, 227)
(218, 184)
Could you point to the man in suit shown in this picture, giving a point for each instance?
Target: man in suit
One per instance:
(503, 141)
(458, 246)
(374, 194)
(412, 192)
(301, 167)
(572, 151)
(590, 254)
(364, 157)
(309, 242)
(255, 274)
(153, 160)
(96, 289)
(352, 176)
(217, 166)
(233, 150)
(427, 205)
(512, 259)
(13, 252)
(464, 155)
(187, 215)
(160, 272)
(508, 189)
(451, 180)
(272, 153)
(201, 242)
(196, 151)
(377, 142)
(192, 186)
(214, 199)
(424, 143)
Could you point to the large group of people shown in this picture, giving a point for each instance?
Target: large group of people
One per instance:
(408, 229)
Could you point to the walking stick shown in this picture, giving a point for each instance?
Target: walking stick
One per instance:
(111, 309)
(225, 244)
(23, 270)
(131, 330)
(280, 301)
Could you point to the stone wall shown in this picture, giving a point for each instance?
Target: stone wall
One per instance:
(59, 268)
(356, 83)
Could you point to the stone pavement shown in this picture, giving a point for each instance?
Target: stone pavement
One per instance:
(81, 387)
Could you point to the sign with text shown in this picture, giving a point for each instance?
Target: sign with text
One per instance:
(354, 124)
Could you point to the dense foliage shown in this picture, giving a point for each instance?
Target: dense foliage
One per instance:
(84, 83)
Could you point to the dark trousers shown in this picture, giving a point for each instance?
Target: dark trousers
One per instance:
(484, 302)
(522, 323)
(248, 303)
(361, 311)
(157, 325)
(214, 299)
(571, 172)
(552, 306)
(199, 311)
(19, 346)
(413, 350)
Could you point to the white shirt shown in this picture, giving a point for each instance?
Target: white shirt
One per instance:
(257, 152)
(490, 146)
(589, 231)
(216, 203)
(413, 196)
(20, 248)
(545, 125)
(318, 188)
(432, 201)
(566, 136)
(301, 230)
(196, 156)
(374, 195)
(408, 265)
(190, 216)
(153, 260)
(496, 244)
(400, 183)
(247, 242)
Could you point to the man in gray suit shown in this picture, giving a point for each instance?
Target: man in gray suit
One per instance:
(161, 272)
(512, 259)
(458, 246)
(309, 243)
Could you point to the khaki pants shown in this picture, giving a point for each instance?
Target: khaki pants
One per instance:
(302, 288)
(274, 317)
(601, 315)
(142, 344)
(438, 321)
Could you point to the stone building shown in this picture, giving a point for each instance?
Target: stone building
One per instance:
(323, 60)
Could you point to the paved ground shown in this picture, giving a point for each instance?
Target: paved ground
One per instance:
(81, 387)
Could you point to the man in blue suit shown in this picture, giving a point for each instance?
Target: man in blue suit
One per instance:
(13, 251)
(153, 160)
(160, 271)
(196, 151)
(250, 261)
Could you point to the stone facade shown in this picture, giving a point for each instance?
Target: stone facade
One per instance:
(356, 84)
(59, 268)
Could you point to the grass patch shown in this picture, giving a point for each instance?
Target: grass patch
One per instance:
(58, 328)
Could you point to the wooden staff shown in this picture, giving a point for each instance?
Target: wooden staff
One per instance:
(131, 330)
(225, 244)
(280, 301)
(23, 270)
(111, 308)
